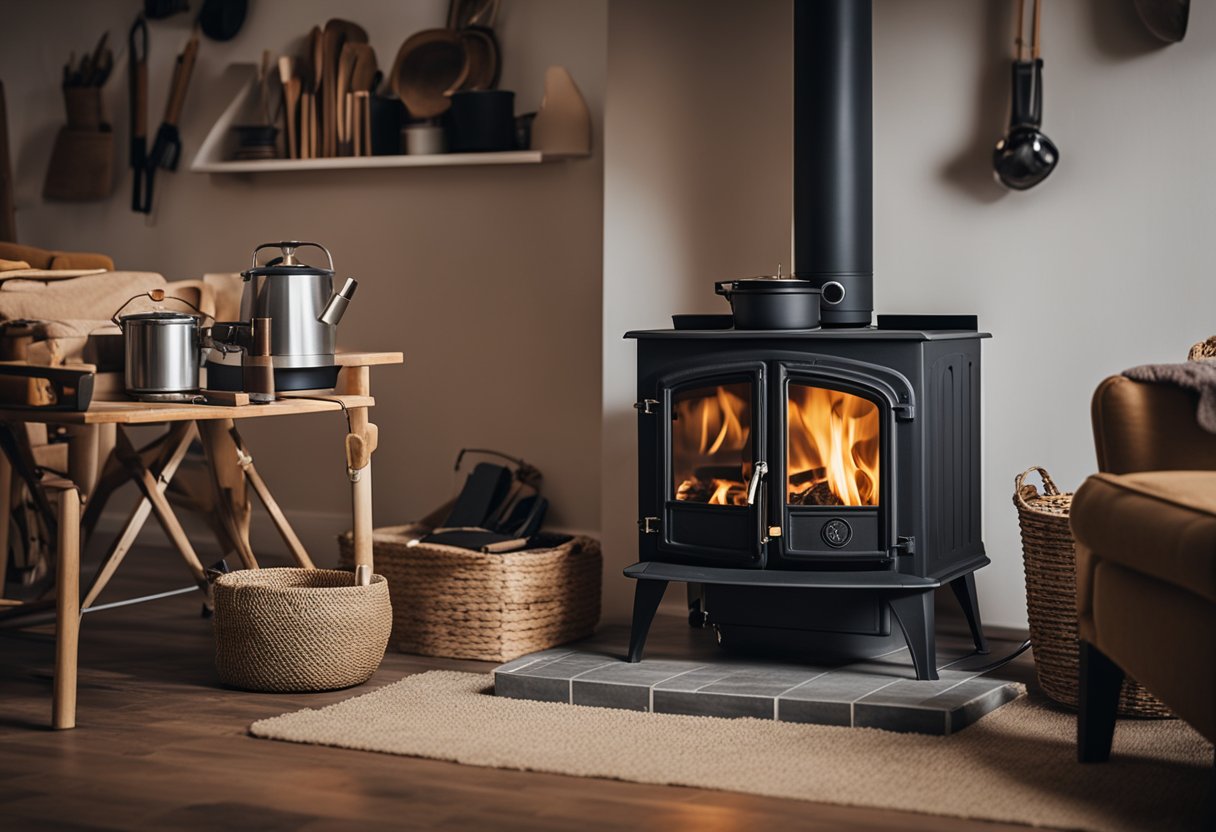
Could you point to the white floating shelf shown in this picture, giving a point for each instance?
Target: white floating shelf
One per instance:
(510, 157)
(214, 153)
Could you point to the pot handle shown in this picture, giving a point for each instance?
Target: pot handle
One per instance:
(156, 296)
(722, 287)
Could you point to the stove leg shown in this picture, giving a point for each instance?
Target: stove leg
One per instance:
(646, 598)
(915, 616)
(964, 591)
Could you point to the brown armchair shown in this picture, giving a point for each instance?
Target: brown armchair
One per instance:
(1145, 532)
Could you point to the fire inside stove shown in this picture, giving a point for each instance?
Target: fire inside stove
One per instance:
(833, 446)
(711, 440)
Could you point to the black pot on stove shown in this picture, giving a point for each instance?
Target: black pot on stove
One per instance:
(772, 302)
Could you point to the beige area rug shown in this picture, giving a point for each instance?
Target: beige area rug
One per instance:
(1017, 764)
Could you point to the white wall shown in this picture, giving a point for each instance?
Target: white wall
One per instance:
(487, 278)
(1106, 265)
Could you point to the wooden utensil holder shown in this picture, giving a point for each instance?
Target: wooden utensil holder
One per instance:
(82, 161)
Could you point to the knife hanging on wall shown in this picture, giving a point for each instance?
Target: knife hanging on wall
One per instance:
(167, 148)
(137, 69)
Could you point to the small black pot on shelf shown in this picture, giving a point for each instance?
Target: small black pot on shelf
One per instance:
(481, 121)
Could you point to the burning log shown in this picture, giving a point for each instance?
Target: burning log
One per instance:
(819, 494)
(718, 492)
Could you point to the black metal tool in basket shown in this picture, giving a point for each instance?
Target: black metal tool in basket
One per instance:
(499, 509)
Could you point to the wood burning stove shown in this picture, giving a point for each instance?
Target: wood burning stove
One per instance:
(842, 464)
(817, 483)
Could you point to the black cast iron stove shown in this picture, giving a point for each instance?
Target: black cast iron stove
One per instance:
(809, 485)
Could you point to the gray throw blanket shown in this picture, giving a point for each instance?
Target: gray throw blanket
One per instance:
(1197, 376)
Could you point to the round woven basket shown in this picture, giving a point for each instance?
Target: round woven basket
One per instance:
(1051, 597)
(299, 630)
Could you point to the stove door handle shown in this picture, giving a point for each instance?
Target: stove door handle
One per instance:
(759, 471)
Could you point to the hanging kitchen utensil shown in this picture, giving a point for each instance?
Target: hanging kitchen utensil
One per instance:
(167, 148)
(1024, 157)
(137, 76)
(1166, 19)
(430, 64)
(222, 19)
(160, 9)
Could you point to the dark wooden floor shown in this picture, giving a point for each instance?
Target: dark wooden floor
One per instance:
(160, 745)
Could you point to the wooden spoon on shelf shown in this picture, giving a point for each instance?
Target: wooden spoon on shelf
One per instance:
(346, 68)
(337, 33)
(291, 100)
(363, 80)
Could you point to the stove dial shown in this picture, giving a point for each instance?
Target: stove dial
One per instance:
(837, 533)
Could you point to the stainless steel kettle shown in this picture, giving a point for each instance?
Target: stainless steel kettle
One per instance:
(304, 310)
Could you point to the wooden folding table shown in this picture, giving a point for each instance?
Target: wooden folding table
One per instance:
(152, 468)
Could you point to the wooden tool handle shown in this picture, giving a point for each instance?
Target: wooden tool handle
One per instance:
(181, 81)
(139, 100)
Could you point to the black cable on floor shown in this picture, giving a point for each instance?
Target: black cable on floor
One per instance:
(1001, 662)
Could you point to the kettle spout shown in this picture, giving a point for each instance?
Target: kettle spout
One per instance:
(335, 307)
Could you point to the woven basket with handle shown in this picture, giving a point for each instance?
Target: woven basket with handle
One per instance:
(1051, 596)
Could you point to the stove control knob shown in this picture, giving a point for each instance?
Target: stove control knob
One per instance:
(837, 533)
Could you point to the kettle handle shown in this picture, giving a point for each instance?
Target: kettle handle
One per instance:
(288, 247)
(156, 296)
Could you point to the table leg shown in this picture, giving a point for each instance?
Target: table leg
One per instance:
(290, 538)
(228, 482)
(83, 463)
(173, 450)
(360, 444)
(154, 494)
(67, 609)
(6, 515)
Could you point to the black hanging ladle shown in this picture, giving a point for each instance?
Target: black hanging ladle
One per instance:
(1024, 157)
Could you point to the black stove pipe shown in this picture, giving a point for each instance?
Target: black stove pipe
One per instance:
(833, 156)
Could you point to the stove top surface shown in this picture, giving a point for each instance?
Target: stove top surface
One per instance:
(889, 328)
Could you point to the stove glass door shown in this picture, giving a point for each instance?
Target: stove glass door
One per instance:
(831, 482)
(711, 485)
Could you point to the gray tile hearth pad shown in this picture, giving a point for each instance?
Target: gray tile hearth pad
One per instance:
(879, 693)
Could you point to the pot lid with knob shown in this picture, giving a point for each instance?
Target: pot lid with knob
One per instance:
(767, 284)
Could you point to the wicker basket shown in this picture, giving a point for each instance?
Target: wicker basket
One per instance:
(298, 630)
(463, 604)
(1051, 597)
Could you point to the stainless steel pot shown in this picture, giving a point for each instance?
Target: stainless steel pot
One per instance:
(162, 350)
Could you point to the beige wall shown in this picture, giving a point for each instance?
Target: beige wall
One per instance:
(1106, 265)
(696, 189)
(488, 279)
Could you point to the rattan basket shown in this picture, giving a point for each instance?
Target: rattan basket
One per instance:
(299, 630)
(463, 604)
(1051, 596)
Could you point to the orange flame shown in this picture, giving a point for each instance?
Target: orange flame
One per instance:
(711, 432)
(833, 441)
